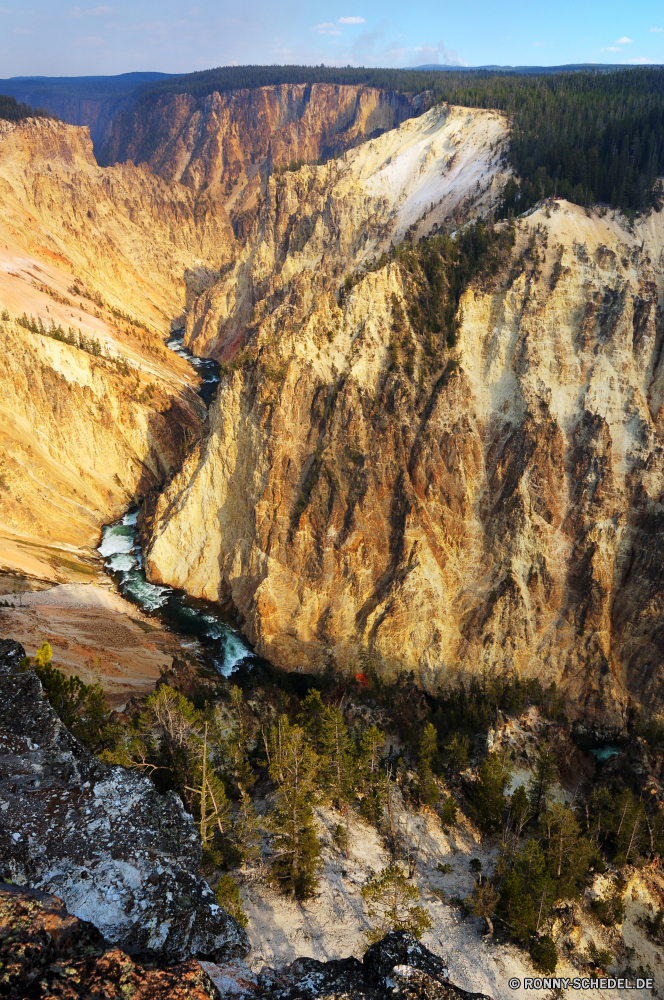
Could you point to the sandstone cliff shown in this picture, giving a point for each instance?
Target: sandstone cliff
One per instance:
(112, 255)
(323, 222)
(501, 513)
(228, 144)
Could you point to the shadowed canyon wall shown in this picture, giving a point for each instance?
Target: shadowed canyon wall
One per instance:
(498, 511)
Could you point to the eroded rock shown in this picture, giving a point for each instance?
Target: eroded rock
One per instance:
(117, 852)
(45, 952)
(397, 966)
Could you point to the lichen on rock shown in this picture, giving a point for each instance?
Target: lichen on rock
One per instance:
(117, 852)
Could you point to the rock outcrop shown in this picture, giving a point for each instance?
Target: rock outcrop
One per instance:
(227, 144)
(315, 226)
(397, 966)
(45, 952)
(119, 854)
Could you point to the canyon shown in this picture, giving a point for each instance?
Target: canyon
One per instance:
(434, 455)
(355, 504)
(488, 515)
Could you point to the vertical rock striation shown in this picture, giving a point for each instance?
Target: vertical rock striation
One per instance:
(501, 513)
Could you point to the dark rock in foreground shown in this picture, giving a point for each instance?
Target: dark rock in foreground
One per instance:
(398, 966)
(46, 953)
(119, 854)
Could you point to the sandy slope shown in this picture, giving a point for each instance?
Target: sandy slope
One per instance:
(94, 634)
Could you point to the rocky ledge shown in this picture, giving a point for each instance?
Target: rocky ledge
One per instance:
(396, 967)
(47, 953)
(118, 853)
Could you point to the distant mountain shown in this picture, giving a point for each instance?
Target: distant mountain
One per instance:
(80, 100)
(565, 68)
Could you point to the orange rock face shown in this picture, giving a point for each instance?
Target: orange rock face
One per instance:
(226, 144)
(45, 952)
(499, 515)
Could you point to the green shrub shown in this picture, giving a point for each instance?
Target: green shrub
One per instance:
(228, 897)
(81, 707)
(449, 813)
(543, 953)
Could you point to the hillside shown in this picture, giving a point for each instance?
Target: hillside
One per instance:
(375, 490)
(99, 410)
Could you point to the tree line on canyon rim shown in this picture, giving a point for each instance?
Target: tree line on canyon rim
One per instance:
(251, 756)
(586, 135)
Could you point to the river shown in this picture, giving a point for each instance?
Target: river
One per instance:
(220, 642)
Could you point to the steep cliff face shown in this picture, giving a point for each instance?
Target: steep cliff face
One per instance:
(106, 259)
(327, 220)
(227, 144)
(499, 511)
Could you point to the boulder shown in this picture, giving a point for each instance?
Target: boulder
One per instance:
(399, 966)
(119, 854)
(45, 952)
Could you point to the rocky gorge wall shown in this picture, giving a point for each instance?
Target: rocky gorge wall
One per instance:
(112, 255)
(228, 144)
(500, 514)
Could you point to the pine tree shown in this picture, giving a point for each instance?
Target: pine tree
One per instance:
(519, 811)
(311, 717)
(567, 851)
(489, 792)
(526, 890)
(236, 745)
(213, 805)
(455, 754)
(370, 779)
(337, 757)
(427, 787)
(293, 767)
(545, 774)
(483, 903)
(393, 900)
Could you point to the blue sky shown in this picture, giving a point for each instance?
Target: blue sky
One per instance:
(54, 38)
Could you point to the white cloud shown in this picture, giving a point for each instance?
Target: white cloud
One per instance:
(327, 29)
(538, 45)
(610, 48)
(91, 12)
(625, 41)
(22, 31)
(656, 31)
(642, 61)
(351, 20)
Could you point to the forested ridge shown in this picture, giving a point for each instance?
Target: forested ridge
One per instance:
(13, 111)
(588, 135)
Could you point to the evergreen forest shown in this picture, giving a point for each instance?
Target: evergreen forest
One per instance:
(12, 110)
(251, 758)
(587, 135)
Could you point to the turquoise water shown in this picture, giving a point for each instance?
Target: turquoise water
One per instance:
(123, 560)
(222, 644)
(602, 753)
